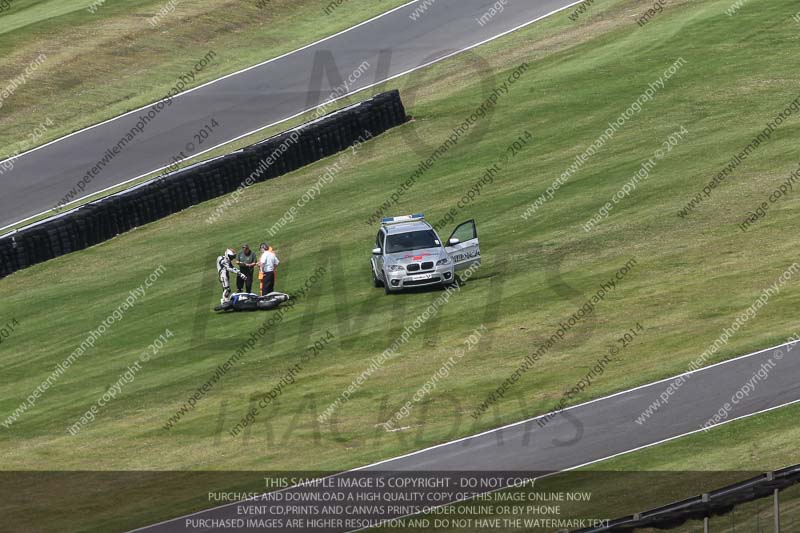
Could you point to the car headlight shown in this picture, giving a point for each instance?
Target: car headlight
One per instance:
(445, 261)
(395, 268)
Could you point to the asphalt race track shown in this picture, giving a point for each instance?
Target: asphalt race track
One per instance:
(599, 429)
(252, 99)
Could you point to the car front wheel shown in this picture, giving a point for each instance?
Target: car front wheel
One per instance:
(386, 288)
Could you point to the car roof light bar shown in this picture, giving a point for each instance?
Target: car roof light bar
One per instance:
(404, 218)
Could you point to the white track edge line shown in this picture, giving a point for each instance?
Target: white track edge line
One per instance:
(528, 420)
(326, 103)
(215, 80)
(594, 461)
(582, 465)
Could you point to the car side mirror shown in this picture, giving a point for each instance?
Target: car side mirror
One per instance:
(453, 242)
(376, 251)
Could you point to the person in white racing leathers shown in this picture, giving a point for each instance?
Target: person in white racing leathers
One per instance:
(224, 265)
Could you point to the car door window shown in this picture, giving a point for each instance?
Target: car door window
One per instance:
(379, 240)
(465, 232)
(467, 252)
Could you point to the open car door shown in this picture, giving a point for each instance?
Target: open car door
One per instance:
(462, 246)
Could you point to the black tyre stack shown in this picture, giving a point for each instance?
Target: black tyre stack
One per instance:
(99, 221)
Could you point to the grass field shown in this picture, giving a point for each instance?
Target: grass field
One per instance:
(103, 62)
(693, 275)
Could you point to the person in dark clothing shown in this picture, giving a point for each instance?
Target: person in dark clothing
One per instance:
(246, 259)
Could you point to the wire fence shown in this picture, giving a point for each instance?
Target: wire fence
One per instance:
(766, 503)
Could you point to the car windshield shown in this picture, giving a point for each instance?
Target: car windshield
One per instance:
(413, 240)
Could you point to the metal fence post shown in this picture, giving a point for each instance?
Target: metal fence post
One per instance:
(776, 510)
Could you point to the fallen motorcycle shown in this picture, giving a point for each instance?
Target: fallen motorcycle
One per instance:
(245, 301)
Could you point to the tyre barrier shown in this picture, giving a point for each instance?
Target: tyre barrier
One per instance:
(165, 195)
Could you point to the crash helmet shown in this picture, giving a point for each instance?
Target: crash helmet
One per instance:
(230, 254)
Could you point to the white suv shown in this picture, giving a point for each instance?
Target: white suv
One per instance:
(409, 253)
